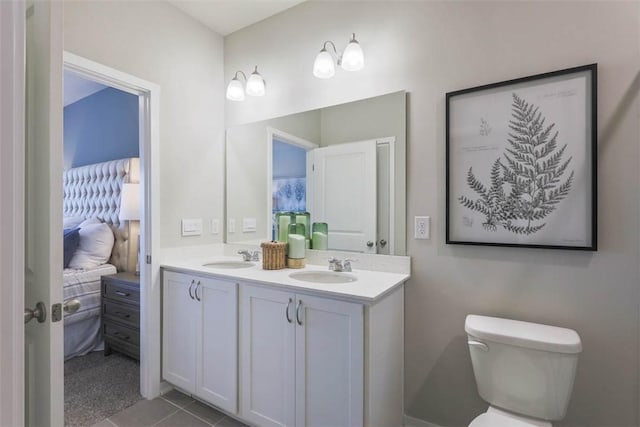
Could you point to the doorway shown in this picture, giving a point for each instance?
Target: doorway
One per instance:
(148, 102)
(101, 198)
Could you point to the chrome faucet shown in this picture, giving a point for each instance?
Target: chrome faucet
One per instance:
(339, 265)
(249, 255)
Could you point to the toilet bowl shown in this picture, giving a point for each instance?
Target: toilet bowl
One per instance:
(495, 417)
(525, 371)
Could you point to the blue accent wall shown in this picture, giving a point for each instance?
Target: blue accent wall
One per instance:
(289, 161)
(101, 127)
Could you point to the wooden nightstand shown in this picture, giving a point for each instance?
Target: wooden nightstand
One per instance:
(121, 314)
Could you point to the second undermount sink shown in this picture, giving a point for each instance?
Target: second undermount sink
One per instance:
(229, 264)
(323, 277)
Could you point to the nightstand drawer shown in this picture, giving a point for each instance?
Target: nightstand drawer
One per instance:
(121, 312)
(120, 292)
(121, 333)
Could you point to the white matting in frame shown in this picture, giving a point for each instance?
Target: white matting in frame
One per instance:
(521, 162)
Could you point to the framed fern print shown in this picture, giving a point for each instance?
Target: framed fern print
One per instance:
(521, 162)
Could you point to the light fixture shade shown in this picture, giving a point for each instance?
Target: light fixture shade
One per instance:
(353, 58)
(255, 84)
(323, 67)
(235, 91)
(130, 202)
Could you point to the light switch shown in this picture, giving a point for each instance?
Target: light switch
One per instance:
(248, 225)
(192, 226)
(231, 225)
(215, 226)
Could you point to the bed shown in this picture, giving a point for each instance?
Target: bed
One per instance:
(91, 201)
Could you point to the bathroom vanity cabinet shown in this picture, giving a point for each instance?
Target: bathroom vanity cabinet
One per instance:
(200, 337)
(302, 360)
(293, 355)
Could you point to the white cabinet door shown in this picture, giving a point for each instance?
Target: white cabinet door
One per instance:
(344, 194)
(267, 366)
(180, 314)
(329, 362)
(217, 353)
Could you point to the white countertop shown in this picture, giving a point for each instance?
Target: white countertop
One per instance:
(370, 287)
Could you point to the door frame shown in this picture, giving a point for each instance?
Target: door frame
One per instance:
(273, 133)
(149, 140)
(12, 169)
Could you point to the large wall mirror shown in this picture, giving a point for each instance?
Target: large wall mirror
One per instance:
(344, 164)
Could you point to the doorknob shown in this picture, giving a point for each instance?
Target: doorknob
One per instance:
(71, 306)
(40, 313)
(370, 244)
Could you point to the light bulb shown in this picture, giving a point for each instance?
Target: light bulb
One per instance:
(323, 67)
(255, 84)
(235, 91)
(353, 58)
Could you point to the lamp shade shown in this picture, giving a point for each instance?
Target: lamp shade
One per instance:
(353, 57)
(255, 84)
(235, 91)
(130, 202)
(323, 67)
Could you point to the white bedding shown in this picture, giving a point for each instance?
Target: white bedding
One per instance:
(82, 328)
(85, 286)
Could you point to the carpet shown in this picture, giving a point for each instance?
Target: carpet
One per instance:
(97, 387)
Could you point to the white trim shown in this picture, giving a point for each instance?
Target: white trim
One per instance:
(391, 141)
(289, 139)
(149, 95)
(12, 169)
(417, 422)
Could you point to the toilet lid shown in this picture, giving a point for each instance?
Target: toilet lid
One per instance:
(496, 418)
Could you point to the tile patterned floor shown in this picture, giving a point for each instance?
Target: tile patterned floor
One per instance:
(173, 409)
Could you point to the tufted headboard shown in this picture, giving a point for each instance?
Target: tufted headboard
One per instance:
(93, 191)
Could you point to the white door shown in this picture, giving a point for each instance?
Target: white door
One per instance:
(217, 377)
(12, 24)
(43, 217)
(344, 194)
(329, 363)
(267, 339)
(180, 314)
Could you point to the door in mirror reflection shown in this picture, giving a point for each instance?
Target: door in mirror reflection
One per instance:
(344, 194)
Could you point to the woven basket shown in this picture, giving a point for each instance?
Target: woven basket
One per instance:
(274, 255)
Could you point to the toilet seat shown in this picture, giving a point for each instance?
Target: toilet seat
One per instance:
(495, 417)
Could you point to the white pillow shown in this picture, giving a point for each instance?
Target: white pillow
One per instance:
(89, 221)
(96, 244)
(71, 221)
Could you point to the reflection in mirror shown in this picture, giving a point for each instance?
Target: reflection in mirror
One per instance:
(344, 164)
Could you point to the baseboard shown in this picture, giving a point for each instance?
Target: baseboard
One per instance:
(417, 422)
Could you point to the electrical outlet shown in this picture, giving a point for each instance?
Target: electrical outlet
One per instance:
(422, 227)
(215, 226)
(192, 227)
(231, 225)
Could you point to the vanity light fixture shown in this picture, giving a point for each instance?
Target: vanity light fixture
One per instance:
(352, 59)
(255, 86)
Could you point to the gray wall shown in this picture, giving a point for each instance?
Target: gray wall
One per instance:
(428, 49)
(101, 127)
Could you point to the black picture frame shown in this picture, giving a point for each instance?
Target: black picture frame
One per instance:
(521, 162)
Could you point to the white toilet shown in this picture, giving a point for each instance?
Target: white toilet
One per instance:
(524, 370)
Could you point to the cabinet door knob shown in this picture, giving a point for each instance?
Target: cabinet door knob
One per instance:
(190, 289)
(298, 312)
(196, 292)
(286, 312)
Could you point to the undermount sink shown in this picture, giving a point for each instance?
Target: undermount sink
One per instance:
(323, 277)
(229, 264)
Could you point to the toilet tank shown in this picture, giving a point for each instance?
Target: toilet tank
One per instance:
(523, 367)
